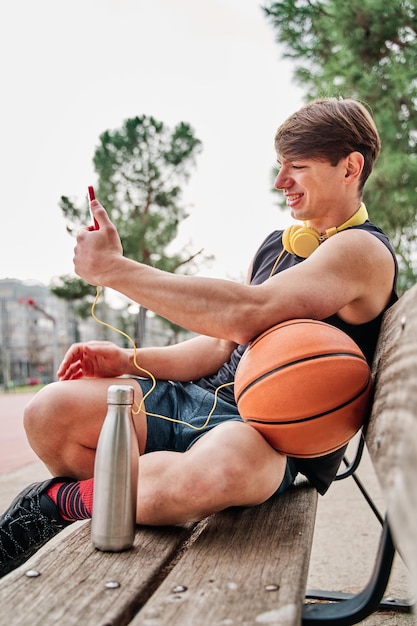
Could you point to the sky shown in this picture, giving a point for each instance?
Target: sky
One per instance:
(70, 71)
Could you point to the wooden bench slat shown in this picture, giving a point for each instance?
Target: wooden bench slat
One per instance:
(392, 432)
(227, 576)
(71, 587)
(214, 561)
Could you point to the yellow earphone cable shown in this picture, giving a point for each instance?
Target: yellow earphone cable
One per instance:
(151, 376)
(278, 259)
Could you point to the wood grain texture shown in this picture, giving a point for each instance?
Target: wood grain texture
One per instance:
(71, 588)
(392, 432)
(248, 566)
(243, 562)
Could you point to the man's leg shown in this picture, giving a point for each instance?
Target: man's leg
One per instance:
(63, 423)
(230, 465)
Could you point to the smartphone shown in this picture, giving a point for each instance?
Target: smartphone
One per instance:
(92, 196)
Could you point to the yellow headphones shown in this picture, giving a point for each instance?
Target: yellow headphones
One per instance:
(303, 240)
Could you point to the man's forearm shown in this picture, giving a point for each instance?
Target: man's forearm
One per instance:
(213, 307)
(185, 361)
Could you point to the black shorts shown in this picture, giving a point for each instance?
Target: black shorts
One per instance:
(191, 405)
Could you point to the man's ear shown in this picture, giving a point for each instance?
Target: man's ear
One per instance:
(354, 167)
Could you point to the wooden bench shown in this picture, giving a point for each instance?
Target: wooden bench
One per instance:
(243, 565)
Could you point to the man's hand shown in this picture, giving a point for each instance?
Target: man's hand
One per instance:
(97, 249)
(95, 359)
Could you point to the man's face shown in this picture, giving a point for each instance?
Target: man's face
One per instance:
(313, 189)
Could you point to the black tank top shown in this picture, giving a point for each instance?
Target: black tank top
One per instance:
(321, 470)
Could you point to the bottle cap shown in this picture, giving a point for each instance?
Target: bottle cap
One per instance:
(120, 394)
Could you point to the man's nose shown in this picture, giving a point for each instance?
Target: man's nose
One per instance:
(282, 180)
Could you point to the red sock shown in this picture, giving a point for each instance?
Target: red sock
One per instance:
(74, 500)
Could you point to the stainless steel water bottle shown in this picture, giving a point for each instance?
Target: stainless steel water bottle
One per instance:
(116, 475)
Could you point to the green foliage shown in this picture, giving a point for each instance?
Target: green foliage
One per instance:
(365, 49)
(141, 169)
(77, 293)
(71, 288)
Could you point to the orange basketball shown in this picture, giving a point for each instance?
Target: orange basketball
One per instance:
(305, 386)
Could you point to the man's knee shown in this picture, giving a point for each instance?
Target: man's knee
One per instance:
(37, 411)
(235, 463)
(41, 418)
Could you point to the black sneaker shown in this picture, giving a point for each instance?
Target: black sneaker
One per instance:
(29, 522)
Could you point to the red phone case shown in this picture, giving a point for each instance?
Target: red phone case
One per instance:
(92, 196)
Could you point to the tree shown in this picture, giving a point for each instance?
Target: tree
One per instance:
(365, 49)
(72, 290)
(141, 168)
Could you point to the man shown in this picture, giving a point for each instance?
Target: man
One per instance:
(326, 152)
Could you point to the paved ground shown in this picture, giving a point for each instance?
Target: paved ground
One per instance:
(346, 537)
(14, 449)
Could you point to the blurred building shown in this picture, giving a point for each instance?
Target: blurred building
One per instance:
(37, 328)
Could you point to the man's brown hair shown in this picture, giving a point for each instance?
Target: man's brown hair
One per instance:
(329, 129)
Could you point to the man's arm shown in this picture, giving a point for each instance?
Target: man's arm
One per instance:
(189, 360)
(351, 273)
(185, 361)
